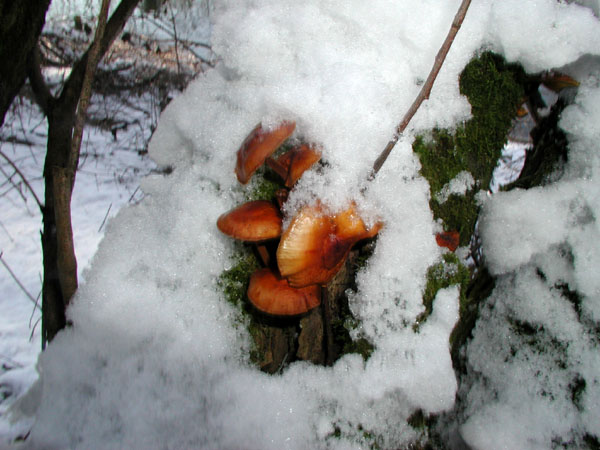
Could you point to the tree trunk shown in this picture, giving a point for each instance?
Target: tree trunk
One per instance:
(54, 301)
(60, 264)
(21, 23)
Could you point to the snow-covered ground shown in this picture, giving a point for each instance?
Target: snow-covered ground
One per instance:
(156, 357)
(108, 179)
(111, 166)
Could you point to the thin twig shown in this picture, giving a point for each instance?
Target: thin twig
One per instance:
(14, 277)
(16, 169)
(176, 40)
(133, 195)
(105, 217)
(6, 231)
(13, 186)
(34, 327)
(187, 44)
(426, 89)
(86, 89)
(36, 305)
(41, 91)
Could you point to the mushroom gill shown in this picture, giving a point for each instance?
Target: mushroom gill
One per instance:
(315, 245)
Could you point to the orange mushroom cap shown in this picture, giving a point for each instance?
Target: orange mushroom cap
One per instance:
(273, 295)
(297, 161)
(253, 221)
(260, 144)
(315, 246)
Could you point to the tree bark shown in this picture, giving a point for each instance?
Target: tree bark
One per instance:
(60, 125)
(21, 23)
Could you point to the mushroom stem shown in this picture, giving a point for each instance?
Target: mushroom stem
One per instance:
(262, 254)
(277, 167)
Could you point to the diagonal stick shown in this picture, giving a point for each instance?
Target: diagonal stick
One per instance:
(426, 89)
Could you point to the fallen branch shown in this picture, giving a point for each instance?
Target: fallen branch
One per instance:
(426, 89)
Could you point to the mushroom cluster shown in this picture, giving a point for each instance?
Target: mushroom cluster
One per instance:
(315, 245)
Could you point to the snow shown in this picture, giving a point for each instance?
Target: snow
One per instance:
(156, 357)
(459, 185)
(107, 179)
(541, 241)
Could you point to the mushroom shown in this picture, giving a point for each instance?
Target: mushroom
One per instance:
(281, 196)
(293, 163)
(273, 295)
(258, 146)
(315, 245)
(254, 221)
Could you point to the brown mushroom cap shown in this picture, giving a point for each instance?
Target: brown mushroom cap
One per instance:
(273, 295)
(260, 144)
(297, 161)
(314, 247)
(253, 221)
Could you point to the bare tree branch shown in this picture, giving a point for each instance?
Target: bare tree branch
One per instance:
(64, 177)
(16, 169)
(114, 26)
(86, 89)
(176, 40)
(187, 44)
(14, 277)
(426, 89)
(43, 96)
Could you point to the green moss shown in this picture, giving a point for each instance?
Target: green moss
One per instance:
(361, 346)
(459, 213)
(265, 183)
(448, 272)
(234, 282)
(440, 161)
(494, 90)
